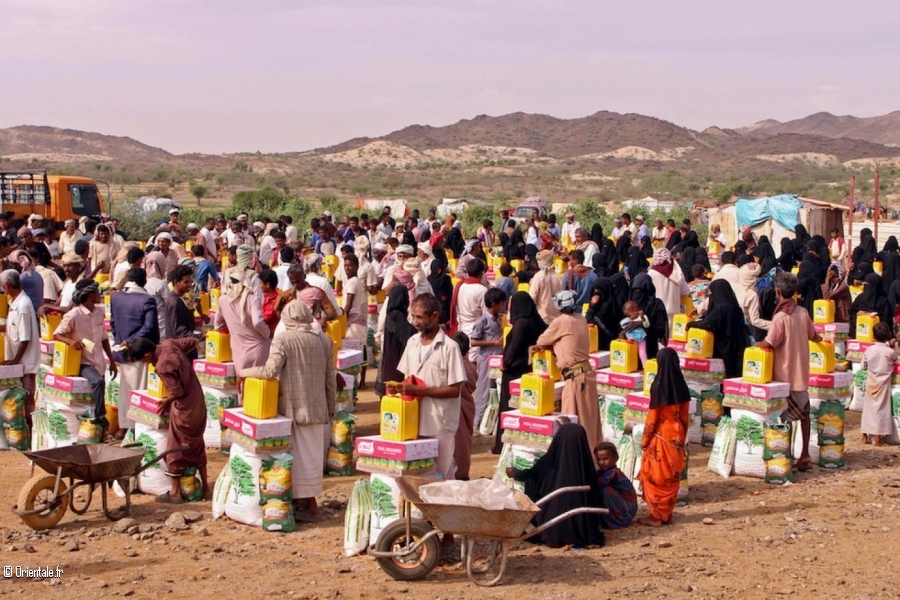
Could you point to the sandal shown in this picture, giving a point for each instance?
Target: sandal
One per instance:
(166, 498)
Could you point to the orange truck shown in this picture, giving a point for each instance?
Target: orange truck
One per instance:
(54, 197)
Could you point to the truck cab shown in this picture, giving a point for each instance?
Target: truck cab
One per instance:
(54, 197)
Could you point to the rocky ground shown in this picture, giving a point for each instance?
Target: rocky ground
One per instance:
(830, 534)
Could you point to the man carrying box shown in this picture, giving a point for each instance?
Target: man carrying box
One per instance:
(82, 328)
(789, 337)
(434, 358)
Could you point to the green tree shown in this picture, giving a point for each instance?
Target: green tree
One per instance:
(198, 191)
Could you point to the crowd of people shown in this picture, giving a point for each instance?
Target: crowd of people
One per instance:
(440, 316)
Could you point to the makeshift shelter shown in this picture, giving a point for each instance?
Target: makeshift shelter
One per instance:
(374, 206)
(776, 217)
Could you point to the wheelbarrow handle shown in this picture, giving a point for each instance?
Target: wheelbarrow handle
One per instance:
(566, 515)
(561, 491)
(133, 445)
(162, 456)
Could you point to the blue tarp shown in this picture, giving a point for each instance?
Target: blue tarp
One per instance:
(784, 209)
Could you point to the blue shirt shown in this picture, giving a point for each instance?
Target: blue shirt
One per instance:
(487, 327)
(508, 286)
(202, 272)
(33, 286)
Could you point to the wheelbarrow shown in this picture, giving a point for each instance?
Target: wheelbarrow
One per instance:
(45, 498)
(410, 548)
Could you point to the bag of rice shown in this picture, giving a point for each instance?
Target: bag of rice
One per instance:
(505, 461)
(339, 461)
(384, 499)
(217, 400)
(637, 434)
(40, 428)
(830, 423)
(154, 442)
(523, 459)
(858, 399)
(356, 519)
(242, 504)
(777, 438)
(711, 411)
(613, 417)
(220, 492)
(721, 457)
(627, 455)
(88, 431)
(131, 482)
(748, 456)
(488, 425)
(778, 470)
(278, 515)
(831, 456)
(190, 485)
(13, 421)
(275, 478)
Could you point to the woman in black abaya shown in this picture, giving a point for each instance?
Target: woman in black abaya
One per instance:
(568, 462)
(397, 331)
(527, 327)
(725, 319)
(872, 300)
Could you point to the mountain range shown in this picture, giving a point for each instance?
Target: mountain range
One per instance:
(602, 136)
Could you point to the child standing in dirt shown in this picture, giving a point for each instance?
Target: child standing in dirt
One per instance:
(878, 361)
(634, 327)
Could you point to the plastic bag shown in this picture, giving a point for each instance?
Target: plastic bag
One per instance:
(777, 438)
(356, 519)
(220, 492)
(721, 457)
(339, 460)
(830, 423)
(627, 455)
(278, 515)
(490, 494)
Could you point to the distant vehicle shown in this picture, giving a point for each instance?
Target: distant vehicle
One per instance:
(151, 204)
(526, 208)
(54, 197)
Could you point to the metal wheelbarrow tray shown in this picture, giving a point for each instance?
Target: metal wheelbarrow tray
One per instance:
(410, 548)
(43, 501)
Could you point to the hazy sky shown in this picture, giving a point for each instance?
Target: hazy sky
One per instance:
(284, 75)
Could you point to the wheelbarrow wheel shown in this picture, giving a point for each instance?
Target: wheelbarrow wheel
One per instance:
(38, 494)
(413, 566)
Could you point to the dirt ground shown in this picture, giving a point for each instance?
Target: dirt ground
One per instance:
(831, 534)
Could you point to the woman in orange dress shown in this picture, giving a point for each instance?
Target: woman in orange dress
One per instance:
(663, 442)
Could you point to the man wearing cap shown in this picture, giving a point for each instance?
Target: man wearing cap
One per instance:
(380, 254)
(642, 229)
(403, 253)
(69, 236)
(569, 227)
(73, 266)
(174, 225)
(618, 229)
(313, 267)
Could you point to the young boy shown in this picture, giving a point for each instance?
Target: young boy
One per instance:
(505, 281)
(634, 327)
(462, 452)
(487, 337)
(879, 361)
(618, 492)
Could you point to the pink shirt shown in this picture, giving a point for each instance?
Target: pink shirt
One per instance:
(790, 335)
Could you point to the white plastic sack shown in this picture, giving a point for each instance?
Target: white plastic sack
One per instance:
(220, 492)
(524, 458)
(154, 442)
(797, 435)
(62, 423)
(489, 494)
(242, 503)
(356, 519)
(491, 416)
(695, 431)
(748, 457)
(40, 430)
(627, 455)
(216, 400)
(132, 481)
(384, 495)
(613, 417)
(637, 434)
(721, 457)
